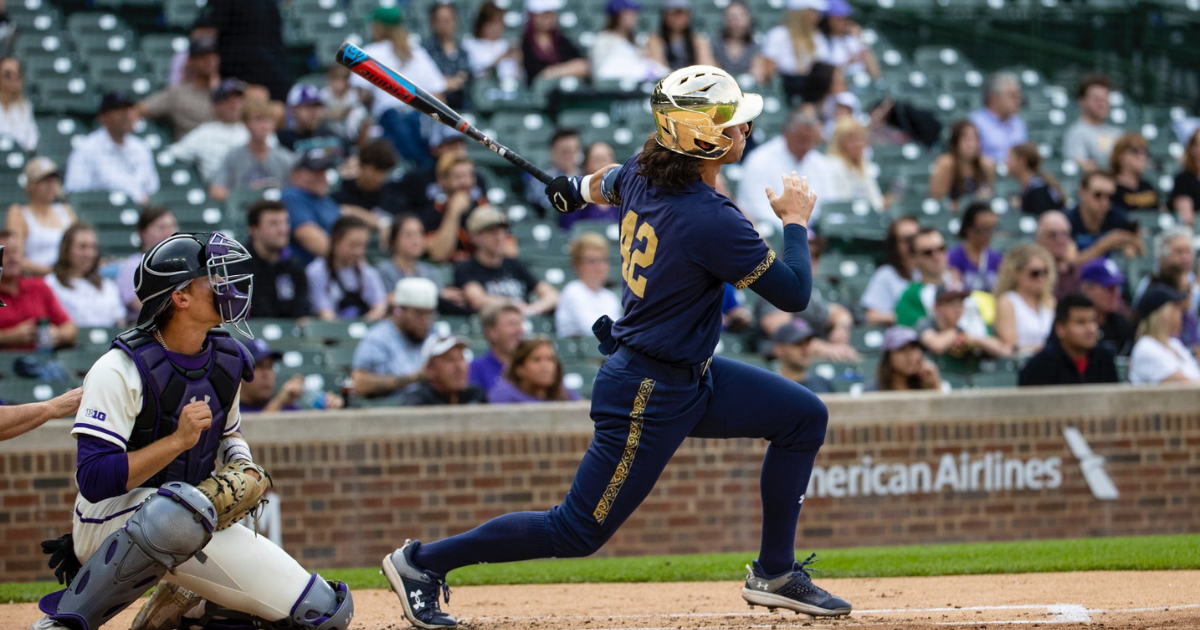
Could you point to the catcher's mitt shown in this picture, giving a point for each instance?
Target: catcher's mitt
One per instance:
(235, 493)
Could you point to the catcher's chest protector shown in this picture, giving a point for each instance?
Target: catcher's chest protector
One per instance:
(167, 387)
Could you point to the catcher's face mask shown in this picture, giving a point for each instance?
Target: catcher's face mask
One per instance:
(232, 292)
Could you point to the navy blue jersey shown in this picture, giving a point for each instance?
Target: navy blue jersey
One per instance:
(679, 247)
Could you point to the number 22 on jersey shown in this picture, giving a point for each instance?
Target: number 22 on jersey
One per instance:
(631, 258)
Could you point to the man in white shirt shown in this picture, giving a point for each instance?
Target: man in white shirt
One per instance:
(207, 144)
(111, 157)
(999, 123)
(793, 150)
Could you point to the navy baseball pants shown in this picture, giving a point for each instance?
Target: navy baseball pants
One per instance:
(640, 422)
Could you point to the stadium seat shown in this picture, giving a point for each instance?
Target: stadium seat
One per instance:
(339, 331)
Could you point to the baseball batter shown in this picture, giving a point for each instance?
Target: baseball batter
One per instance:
(681, 242)
(159, 413)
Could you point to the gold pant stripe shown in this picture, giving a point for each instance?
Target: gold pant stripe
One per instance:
(631, 447)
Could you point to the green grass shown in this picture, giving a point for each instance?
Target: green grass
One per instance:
(1141, 553)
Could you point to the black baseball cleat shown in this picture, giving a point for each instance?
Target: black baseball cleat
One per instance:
(418, 589)
(793, 590)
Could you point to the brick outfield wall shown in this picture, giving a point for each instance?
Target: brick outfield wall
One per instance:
(396, 475)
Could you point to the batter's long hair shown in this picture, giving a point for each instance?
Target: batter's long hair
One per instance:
(665, 168)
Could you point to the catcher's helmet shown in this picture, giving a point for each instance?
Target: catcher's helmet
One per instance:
(181, 258)
(696, 104)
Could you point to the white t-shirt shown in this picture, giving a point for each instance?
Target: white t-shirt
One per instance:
(614, 57)
(777, 46)
(843, 48)
(87, 305)
(17, 123)
(1151, 362)
(485, 53)
(1032, 326)
(420, 69)
(850, 184)
(766, 165)
(579, 307)
(207, 145)
(884, 288)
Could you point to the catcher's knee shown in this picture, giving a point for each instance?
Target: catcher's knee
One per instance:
(324, 605)
(173, 524)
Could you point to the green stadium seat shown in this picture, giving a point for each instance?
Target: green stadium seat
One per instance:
(339, 331)
(182, 13)
(274, 331)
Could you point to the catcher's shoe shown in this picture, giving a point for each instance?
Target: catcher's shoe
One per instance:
(165, 608)
(418, 589)
(793, 590)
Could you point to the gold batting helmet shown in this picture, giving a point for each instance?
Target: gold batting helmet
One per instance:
(696, 104)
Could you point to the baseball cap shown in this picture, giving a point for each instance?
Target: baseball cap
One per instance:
(319, 159)
(947, 292)
(303, 94)
(616, 6)
(260, 351)
(1103, 272)
(202, 46)
(794, 332)
(415, 293)
(227, 88)
(40, 168)
(543, 6)
(897, 337)
(438, 344)
(114, 101)
(816, 5)
(485, 218)
(840, 8)
(388, 16)
(1154, 297)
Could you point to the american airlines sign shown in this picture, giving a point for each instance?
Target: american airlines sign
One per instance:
(961, 472)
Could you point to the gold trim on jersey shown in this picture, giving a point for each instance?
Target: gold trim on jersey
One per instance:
(758, 271)
(631, 447)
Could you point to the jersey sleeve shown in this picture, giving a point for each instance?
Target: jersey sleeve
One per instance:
(234, 424)
(727, 245)
(112, 398)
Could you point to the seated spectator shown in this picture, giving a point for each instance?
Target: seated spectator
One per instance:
(831, 321)
(825, 88)
(1178, 279)
(1174, 255)
(791, 344)
(445, 49)
(154, 225)
(1101, 282)
(111, 157)
(963, 170)
(492, 277)
(342, 285)
(853, 172)
(535, 374)
(793, 150)
(974, 259)
(503, 328)
(488, 51)
(999, 121)
(344, 110)
(595, 156)
(1073, 354)
(846, 48)
(792, 47)
(310, 208)
(280, 287)
(308, 128)
(455, 199)
(1130, 158)
(1039, 191)
(1025, 298)
(389, 359)
(419, 186)
(1089, 140)
(734, 48)
(89, 299)
(941, 334)
(585, 298)
(1158, 357)
(1054, 235)
(903, 366)
(259, 395)
(41, 222)
(256, 165)
(406, 243)
(928, 249)
(890, 279)
(676, 44)
(29, 302)
(564, 160)
(445, 381)
(1096, 226)
(1185, 194)
(207, 144)
(372, 190)
(188, 104)
(16, 113)
(546, 53)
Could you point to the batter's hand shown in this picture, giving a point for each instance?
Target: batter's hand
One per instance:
(795, 204)
(565, 194)
(194, 419)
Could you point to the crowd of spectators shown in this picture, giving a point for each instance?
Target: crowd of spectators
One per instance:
(354, 167)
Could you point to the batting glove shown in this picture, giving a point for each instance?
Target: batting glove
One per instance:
(565, 193)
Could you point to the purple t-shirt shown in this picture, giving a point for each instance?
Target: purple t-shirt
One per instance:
(505, 392)
(485, 371)
(974, 278)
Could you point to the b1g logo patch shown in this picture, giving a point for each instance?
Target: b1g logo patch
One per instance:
(94, 415)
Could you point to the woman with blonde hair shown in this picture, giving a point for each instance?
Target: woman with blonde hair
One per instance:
(794, 46)
(41, 222)
(853, 178)
(1185, 195)
(1158, 356)
(1025, 298)
(1130, 159)
(534, 374)
(585, 298)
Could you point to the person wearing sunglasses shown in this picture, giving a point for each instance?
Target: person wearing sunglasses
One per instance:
(1130, 158)
(1096, 226)
(974, 259)
(917, 302)
(1025, 298)
(1054, 235)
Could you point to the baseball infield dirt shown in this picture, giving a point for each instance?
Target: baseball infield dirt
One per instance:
(1109, 600)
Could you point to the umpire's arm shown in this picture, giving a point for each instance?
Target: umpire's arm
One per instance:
(19, 419)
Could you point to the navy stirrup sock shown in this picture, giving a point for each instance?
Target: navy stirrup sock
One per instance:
(783, 482)
(508, 538)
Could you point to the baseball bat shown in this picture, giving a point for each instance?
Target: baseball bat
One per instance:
(409, 93)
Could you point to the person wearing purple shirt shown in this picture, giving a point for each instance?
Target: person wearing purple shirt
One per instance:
(973, 258)
(503, 327)
(534, 375)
